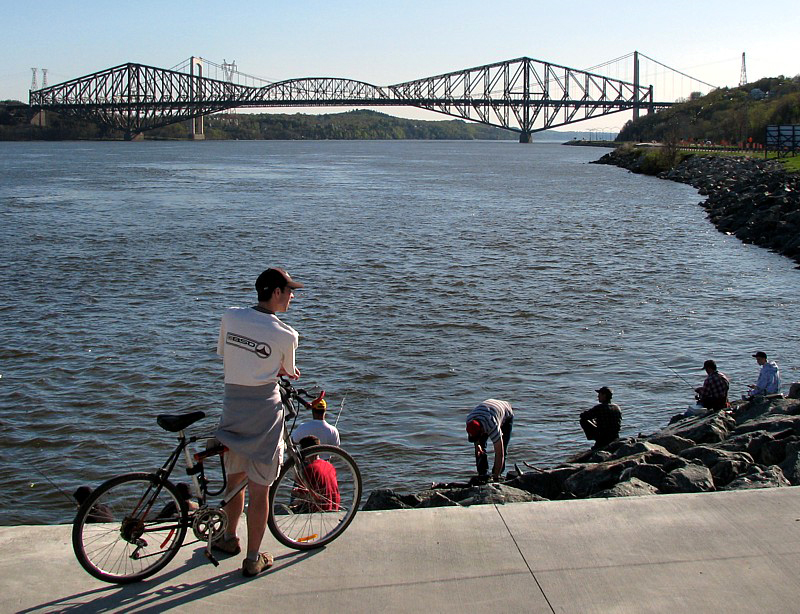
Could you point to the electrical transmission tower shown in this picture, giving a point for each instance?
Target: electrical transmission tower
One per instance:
(34, 86)
(743, 76)
(44, 78)
(228, 70)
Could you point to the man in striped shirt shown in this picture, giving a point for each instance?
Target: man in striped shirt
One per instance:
(493, 420)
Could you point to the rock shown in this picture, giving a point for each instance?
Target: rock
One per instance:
(652, 474)
(594, 478)
(499, 494)
(771, 423)
(758, 477)
(437, 499)
(794, 390)
(545, 483)
(791, 463)
(712, 428)
(629, 488)
(638, 447)
(692, 478)
(672, 443)
(387, 499)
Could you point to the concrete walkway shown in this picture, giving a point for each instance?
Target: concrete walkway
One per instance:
(717, 552)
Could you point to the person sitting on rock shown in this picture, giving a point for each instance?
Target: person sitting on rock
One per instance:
(769, 378)
(603, 421)
(493, 420)
(100, 512)
(322, 494)
(713, 394)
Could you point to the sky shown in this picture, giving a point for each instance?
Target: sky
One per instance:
(390, 42)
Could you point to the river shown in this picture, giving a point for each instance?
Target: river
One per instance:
(438, 274)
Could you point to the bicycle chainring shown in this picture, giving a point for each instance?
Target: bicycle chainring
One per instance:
(209, 522)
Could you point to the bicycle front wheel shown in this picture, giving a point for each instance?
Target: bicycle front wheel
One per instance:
(313, 502)
(129, 528)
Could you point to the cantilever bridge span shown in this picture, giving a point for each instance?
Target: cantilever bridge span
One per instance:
(523, 95)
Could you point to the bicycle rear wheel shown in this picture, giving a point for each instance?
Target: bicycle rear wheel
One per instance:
(312, 504)
(129, 528)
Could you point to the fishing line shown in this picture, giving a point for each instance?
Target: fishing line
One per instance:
(40, 472)
(676, 373)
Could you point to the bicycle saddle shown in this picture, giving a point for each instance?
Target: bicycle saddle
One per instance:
(175, 423)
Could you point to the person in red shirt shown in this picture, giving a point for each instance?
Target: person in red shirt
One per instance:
(321, 474)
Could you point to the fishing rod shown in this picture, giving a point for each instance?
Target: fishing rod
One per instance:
(341, 407)
(676, 373)
(40, 472)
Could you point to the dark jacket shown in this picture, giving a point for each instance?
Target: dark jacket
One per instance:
(602, 423)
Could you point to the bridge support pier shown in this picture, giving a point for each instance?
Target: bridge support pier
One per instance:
(134, 136)
(525, 137)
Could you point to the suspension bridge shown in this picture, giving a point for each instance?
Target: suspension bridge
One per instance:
(523, 95)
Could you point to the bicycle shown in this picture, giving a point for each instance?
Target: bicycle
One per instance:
(133, 525)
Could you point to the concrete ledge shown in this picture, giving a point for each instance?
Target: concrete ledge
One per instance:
(725, 552)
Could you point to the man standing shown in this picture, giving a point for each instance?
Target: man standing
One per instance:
(257, 348)
(769, 378)
(603, 421)
(713, 394)
(318, 427)
(493, 420)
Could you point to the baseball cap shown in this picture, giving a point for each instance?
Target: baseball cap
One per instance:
(474, 429)
(605, 389)
(760, 355)
(710, 364)
(275, 278)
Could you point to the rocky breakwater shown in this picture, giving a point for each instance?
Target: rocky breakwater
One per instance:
(756, 200)
(753, 444)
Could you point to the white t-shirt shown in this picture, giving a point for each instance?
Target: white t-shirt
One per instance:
(326, 433)
(255, 345)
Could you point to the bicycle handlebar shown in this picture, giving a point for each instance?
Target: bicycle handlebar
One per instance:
(297, 394)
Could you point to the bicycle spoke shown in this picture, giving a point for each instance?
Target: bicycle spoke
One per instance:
(133, 541)
(313, 504)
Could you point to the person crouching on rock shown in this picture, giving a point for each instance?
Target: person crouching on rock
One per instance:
(713, 394)
(603, 421)
(769, 377)
(493, 420)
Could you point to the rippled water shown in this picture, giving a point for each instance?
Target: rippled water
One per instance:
(437, 274)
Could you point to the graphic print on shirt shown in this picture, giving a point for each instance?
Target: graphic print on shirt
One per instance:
(262, 350)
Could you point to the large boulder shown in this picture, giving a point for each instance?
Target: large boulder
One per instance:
(691, 478)
(672, 443)
(711, 428)
(759, 477)
(498, 494)
(547, 483)
(771, 423)
(387, 499)
(791, 463)
(629, 488)
(652, 474)
(594, 478)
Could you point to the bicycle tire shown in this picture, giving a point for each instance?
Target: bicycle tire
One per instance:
(129, 528)
(307, 518)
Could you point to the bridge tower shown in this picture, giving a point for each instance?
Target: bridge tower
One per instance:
(196, 132)
(636, 86)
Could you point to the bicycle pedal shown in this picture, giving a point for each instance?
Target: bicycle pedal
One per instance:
(211, 558)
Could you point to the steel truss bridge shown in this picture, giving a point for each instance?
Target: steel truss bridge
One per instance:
(523, 95)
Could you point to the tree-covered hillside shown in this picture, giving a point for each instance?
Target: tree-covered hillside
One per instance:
(725, 116)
